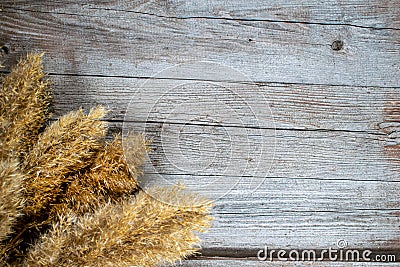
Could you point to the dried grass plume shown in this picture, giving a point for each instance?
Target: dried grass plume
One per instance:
(63, 149)
(140, 231)
(11, 200)
(107, 179)
(24, 102)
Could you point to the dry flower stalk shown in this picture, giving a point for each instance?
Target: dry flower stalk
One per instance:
(11, 201)
(24, 101)
(140, 231)
(107, 179)
(63, 149)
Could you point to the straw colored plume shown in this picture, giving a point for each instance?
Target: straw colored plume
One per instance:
(24, 101)
(63, 149)
(107, 179)
(140, 231)
(11, 201)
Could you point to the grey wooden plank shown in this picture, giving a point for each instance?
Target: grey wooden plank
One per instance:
(244, 263)
(296, 213)
(86, 41)
(361, 13)
(214, 150)
(302, 107)
(379, 14)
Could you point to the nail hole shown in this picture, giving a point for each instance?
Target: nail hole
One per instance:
(4, 49)
(337, 45)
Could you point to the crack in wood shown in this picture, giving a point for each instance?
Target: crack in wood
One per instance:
(5, 9)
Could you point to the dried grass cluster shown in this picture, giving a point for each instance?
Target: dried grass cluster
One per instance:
(68, 197)
(141, 232)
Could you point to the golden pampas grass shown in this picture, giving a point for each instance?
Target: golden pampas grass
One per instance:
(63, 149)
(140, 231)
(107, 179)
(11, 200)
(24, 101)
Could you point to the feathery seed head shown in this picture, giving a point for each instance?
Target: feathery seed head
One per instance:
(11, 201)
(140, 231)
(24, 102)
(107, 179)
(63, 149)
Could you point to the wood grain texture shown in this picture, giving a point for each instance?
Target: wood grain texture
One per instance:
(281, 106)
(328, 122)
(357, 13)
(112, 42)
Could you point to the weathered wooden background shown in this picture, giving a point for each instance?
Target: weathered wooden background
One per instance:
(319, 91)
